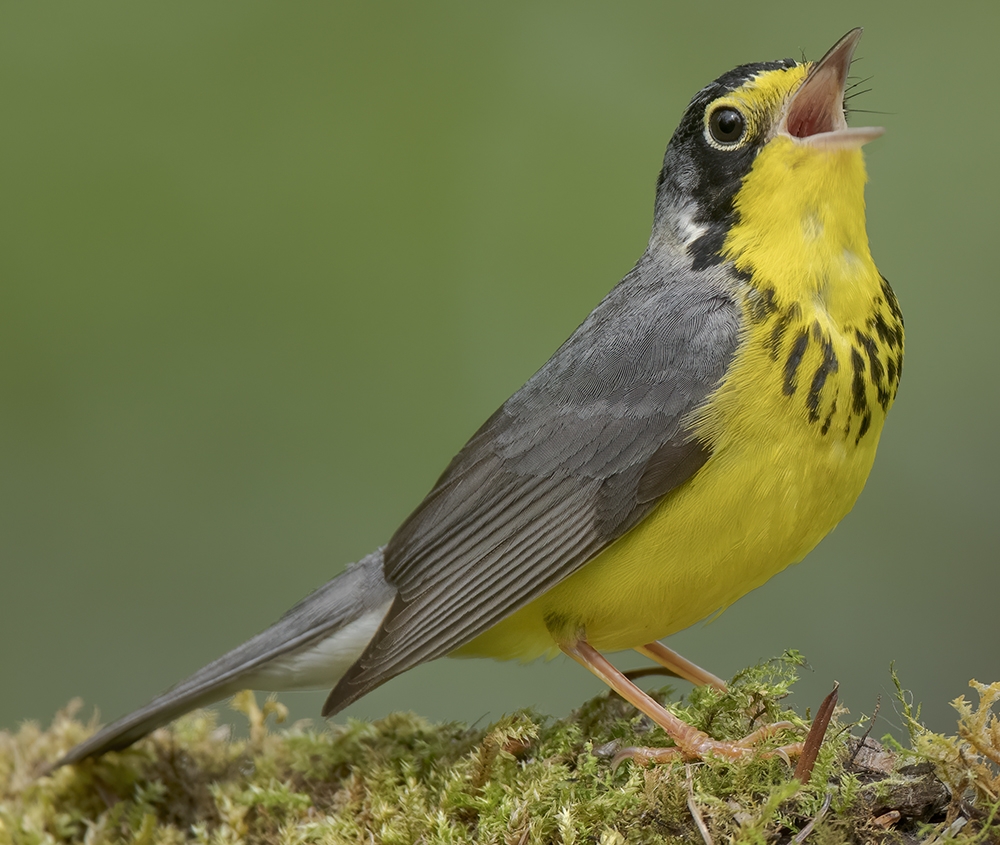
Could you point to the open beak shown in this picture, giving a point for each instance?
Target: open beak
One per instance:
(815, 113)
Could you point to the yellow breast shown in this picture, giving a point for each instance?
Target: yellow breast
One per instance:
(793, 426)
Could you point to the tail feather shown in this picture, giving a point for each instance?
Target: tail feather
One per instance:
(311, 646)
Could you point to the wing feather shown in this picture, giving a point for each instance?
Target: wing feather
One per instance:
(573, 460)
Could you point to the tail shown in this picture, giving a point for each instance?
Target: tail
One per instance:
(310, 647)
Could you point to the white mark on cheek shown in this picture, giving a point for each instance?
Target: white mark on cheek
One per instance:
(688, 230)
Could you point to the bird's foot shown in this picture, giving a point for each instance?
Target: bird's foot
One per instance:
(689, 742)
(697, 745)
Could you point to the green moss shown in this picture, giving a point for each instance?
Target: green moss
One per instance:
(524, 779)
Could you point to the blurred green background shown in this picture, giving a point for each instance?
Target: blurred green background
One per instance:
(265, 267)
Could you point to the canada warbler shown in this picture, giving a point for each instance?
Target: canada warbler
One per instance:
(709, 422)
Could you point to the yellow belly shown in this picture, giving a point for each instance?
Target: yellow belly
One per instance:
(756, 506)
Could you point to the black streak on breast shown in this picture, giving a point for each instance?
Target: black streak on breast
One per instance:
(794, 359)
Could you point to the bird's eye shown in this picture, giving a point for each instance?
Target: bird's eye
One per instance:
(727, 125)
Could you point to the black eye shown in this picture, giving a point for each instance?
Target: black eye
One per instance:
(727, 125)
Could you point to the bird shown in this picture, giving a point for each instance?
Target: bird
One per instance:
(709, 422)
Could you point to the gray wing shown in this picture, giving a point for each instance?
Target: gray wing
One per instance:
(568, 464)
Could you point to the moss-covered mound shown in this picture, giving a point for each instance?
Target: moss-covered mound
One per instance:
(524, 779)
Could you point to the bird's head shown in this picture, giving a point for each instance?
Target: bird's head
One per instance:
(767, 141)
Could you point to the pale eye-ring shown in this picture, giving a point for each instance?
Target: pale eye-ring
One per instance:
(727, 126)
